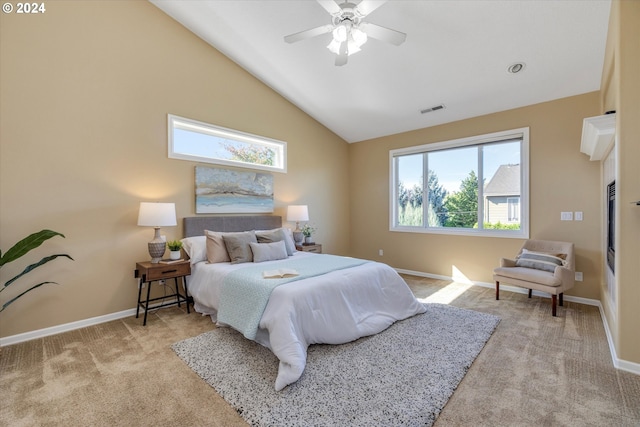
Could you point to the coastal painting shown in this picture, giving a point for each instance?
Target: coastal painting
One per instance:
(221, 190)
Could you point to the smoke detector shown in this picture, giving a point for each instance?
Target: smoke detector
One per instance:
(516, 68)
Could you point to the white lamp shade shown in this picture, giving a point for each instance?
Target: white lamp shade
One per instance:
(297, 213)
(157, 214)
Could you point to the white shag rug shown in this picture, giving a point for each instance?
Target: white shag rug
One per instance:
(402, 376)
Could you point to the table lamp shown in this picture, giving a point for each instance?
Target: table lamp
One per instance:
(297, 213)
(157, 215)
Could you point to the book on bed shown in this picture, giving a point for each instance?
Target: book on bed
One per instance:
(279, 273)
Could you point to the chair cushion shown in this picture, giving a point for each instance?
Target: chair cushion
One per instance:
(540, 260)
(527, 275)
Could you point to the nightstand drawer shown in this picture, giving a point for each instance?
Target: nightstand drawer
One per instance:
(168, 271)
(316, 248)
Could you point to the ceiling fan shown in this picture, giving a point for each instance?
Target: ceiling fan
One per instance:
(349, 30)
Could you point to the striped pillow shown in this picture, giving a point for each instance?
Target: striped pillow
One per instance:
(540, 260)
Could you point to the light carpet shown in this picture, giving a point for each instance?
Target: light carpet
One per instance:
(402, 376)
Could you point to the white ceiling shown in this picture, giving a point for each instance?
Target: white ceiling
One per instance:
(456, 53)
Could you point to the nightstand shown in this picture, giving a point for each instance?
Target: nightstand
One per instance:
(315, 248)
(148, 273)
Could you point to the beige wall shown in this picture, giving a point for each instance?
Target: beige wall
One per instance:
(86, 88)
(621, 92)
(561, 179)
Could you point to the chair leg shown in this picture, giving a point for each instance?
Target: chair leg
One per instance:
(561, 301)
(554, 300)
(530, 294)
(497, 290)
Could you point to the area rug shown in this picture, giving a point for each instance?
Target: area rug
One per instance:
(402, 376)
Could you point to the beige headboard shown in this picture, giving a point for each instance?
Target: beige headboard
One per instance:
(195, 226)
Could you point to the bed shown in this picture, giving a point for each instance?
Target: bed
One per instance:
(332, 300)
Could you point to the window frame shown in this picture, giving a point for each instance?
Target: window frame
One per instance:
(177, 122)
(496, 137)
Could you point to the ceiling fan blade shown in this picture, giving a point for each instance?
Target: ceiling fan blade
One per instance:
(330, 6)
(365, 7)
(341, 59)
(383, 34)
(307, 34)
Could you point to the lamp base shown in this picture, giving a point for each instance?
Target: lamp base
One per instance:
(157, 247)
(157, 250)
(298, 237)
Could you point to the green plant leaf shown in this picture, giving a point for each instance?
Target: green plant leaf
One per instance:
(36, 265)
(6, 304)
(27, 244)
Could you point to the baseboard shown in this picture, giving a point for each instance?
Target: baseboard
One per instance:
(623, 365)
(40, 333)
(618, 363)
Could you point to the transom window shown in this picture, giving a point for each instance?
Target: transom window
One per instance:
(203, 142)
(470, 186)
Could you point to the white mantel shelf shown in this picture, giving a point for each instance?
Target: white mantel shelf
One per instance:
(598, 134)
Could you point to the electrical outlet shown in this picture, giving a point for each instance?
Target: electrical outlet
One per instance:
(380, 252)
(162, 282)
(578, 276)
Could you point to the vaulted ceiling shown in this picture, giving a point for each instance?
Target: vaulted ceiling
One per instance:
(456, 54)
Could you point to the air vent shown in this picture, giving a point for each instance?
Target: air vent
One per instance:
(436, 108)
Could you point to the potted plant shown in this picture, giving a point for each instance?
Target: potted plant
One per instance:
(307, 230)
(21, 248)
(174, 249)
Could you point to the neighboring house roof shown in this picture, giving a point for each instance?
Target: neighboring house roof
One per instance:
(505, 182)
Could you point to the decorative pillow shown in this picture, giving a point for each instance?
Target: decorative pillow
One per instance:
(540, 260)
(237, 245)
(196, 248)
(276, 235)
(216, 248)
(291, 244)
(268, 251)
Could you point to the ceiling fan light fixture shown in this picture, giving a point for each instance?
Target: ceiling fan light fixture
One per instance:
(340, 33)
(359, 37)
(354, 37)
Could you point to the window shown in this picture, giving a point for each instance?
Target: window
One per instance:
(203, 142)
(469, 186)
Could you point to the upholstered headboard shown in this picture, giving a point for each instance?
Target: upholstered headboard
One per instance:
(195, 226)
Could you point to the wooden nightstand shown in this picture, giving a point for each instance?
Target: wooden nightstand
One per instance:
(148, 273)
(315, 248)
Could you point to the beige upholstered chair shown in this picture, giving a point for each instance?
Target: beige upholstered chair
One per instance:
(542, 265)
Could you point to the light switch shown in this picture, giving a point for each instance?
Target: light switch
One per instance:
(566, 216)
(578, 216)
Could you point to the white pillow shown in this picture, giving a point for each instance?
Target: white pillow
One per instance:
(291, 244)
(196, 248)
(268, 251)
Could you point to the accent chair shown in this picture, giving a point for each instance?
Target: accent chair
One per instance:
(544, 265)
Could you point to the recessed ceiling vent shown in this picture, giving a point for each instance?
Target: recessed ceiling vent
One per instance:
(429, 110)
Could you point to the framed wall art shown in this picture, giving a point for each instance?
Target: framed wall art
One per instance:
(221, 190)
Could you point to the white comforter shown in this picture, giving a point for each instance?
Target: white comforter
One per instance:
(334, 308)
